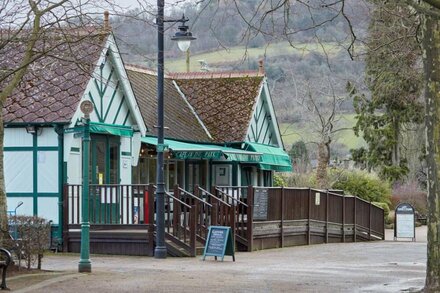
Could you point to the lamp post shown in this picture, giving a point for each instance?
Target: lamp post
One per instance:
(85, 265)
(183, 37)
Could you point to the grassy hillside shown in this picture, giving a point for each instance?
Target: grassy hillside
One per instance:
(240, 53)
(292, 133)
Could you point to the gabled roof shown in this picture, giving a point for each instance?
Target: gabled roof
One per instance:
(53, 85)
(224, 101)
(180, 119)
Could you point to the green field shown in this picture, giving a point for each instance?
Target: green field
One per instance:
(240, 53)
(292, 133)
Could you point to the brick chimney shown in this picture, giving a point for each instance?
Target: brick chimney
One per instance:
(106, 21)
(261, 67)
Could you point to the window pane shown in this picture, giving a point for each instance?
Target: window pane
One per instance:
(100, 163)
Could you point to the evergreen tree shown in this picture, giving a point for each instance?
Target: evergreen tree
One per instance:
(393, 75)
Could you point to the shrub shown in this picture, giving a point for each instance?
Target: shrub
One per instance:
(298, 179)
(278, 180)
(364, 185)
(33, 238)
(410, 193)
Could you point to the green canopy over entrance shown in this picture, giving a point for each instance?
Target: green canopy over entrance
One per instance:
(119, 130)
(185, 150)
(273, 158)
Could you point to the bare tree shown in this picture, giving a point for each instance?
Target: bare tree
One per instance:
(321, 114)
(429, 12)
(34, 29)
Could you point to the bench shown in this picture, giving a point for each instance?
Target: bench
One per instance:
(5, 261)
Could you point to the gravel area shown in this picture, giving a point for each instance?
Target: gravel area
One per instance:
(382, 266)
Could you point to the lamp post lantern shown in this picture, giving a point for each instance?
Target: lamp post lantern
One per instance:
(85, 265)
(183, 37)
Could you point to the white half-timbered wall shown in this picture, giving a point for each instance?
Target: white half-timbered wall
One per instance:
(32, 168)
(263, 127)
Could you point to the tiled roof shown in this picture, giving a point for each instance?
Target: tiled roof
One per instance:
(179, 117)
(224, 101)
(53, 85)
(215, 74)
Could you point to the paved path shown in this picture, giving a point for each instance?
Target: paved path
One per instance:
(385, 266)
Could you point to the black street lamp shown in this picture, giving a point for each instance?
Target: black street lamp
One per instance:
(183, 37)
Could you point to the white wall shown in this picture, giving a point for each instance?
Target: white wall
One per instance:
(19, 171)
(47, 170)
(17, 137)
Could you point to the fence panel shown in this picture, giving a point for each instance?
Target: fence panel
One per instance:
(362, 213)
(349, 209)
(318, 205)
(273, 204)
(335, 208)
(296, 203)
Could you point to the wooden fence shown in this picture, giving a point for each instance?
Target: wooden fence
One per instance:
(299, 216)
(122, 217)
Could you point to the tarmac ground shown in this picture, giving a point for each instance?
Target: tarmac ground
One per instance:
(381, 266)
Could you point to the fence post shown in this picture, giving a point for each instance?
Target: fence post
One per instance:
(343, 218)
(369, 221)
(354, 220)
(201, 208)
(65, 204)
(176, 211)
(326, 217)
(233, 224)
(250, 218)
(282, 217)
(214, 214)
(193, 227)
(383, 224)
(150, 220)
(308, 216)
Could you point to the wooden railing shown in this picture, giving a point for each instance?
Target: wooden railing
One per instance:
(180, 223)
(108, 203)
(240, 200)
(293, 216)
(203, 211)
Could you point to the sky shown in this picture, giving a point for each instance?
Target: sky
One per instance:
(135, 3)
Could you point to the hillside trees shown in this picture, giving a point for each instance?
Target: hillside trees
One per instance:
(394, 78)
(428, 11)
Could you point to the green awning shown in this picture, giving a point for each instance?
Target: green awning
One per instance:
(119, 130)
(185, 150)
(273, 158)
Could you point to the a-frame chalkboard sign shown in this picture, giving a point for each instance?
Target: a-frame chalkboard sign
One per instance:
(219, 242)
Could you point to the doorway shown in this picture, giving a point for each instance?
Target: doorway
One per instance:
(105, 200)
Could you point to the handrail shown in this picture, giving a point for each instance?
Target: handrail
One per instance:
(195, 197)
(215, 197)
(227, 186)
(231, 197)
(173, 197)
(111, 185)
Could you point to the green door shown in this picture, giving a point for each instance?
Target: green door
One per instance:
(104, 170)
